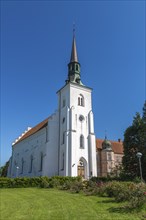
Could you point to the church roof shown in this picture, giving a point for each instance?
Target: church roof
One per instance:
(117, 146)
(33, 130)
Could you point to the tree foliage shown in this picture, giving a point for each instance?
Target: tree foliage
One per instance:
(4, 169)
(135, 141)
(144, 112)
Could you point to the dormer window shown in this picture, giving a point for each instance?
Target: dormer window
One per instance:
(81, 101)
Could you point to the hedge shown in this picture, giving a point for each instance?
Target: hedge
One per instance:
(44, 182)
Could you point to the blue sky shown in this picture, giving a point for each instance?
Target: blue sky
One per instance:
(36, 38)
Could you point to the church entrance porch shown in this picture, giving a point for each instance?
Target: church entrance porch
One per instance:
(82, 167)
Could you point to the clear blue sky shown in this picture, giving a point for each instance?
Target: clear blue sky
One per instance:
(36, 38)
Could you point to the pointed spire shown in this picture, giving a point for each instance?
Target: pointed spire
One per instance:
(74, 66)
(74, 57)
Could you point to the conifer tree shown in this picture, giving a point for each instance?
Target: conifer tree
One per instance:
(135, 141)
(4, 169)
(144, 112)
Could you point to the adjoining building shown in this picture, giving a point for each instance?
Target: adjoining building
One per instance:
(64, 144)
(109, 156)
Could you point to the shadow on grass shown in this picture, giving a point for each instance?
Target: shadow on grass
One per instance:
(144, 216)
(124, 209)
(107, 201)
(121, 209)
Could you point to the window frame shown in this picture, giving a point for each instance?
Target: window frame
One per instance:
(81, 100)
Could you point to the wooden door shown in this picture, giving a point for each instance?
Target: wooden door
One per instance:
(81, 171)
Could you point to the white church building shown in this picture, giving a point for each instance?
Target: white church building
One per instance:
(64, 144)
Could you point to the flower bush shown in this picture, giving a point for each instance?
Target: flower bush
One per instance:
(134, 194)
(138, 196)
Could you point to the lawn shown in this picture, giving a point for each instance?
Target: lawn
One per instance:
(51, 204)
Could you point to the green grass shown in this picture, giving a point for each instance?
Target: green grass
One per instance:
(51, 204)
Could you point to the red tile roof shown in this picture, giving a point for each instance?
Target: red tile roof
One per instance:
(33, 130)
(117, 146)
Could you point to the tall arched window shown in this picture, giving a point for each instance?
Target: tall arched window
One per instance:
(81, 101)
(63, 103)
(63, 138)
(81, 141)
(41, 161)
(63, 161)
(31, 163)
(22, 165)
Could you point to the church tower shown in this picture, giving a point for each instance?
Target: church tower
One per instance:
(76, 144)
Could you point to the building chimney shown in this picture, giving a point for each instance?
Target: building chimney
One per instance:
(119, 140)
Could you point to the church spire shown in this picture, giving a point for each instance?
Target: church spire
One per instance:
(74, 57)
(74, 65)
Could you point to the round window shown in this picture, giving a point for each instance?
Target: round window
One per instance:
(81, 118)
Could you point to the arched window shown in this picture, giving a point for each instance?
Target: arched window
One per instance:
(63, 120)
(63, 103)
(62, 168)
(63, 138)
(78, 100)
(22, 165)
(81, 141)
(81, 101)
(31, 163)
(41, 161)
(77, 68)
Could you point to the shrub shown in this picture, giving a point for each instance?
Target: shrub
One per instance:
(43, 182)
(134, 194)
(76, 186)
(138, 196)
(93, 188)
(113, 188)
(66, 185)
(105, 178)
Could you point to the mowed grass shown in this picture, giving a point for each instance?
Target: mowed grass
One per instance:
(51, 204)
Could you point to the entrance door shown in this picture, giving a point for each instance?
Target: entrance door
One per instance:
(81, 168)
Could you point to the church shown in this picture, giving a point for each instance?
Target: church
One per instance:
(64, 144)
